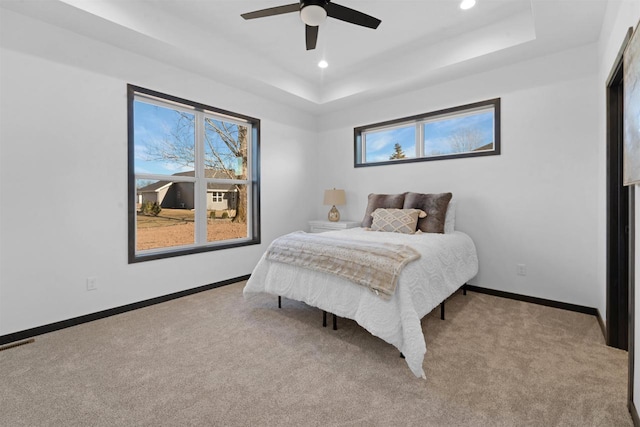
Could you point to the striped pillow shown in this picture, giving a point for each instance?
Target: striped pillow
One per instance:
(396, 220)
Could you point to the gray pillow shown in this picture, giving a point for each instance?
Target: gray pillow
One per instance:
(435, 205)
(387, 201)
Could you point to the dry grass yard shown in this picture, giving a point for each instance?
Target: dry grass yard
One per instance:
(174, 227)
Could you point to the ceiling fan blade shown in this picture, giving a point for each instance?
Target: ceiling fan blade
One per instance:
(311, 34)
(279, 10)
(352, 16)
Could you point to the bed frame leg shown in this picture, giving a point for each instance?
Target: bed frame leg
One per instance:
(464, 289)
(324, 320)
(279, 301)
(442, 310)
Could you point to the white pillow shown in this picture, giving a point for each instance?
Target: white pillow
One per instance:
(396, 220)
(450, 218)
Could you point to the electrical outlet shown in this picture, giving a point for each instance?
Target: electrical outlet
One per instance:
(92, 283)
(521, 269)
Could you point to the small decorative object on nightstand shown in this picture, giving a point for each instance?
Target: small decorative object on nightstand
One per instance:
(321, 226)
(334, 197)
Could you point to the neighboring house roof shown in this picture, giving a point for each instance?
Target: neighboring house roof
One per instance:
(155, 187)
(209, 173)
(488, 146)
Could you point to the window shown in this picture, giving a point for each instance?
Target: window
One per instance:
(193, 177)
(217, 197)
(465, 131)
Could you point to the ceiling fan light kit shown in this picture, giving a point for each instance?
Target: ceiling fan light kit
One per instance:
(467, 4)
(315, 12)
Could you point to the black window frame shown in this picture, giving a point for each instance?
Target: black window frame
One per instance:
(417, 119)
(253, 216)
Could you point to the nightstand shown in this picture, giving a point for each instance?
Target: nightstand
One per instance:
(320, 226)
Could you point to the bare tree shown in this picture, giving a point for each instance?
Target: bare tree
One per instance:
(225, 151)
(465, 139)
(178, 144)
(223, 154)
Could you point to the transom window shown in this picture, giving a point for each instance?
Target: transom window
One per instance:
(193, 180)
(465, 131)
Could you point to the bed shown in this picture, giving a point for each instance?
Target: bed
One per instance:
(447, 261)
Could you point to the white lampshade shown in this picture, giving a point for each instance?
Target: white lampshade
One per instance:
(313, 15)
(334, 197)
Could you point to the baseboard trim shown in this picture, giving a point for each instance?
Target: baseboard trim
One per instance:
(603, 327)
(634, 413)
(29, 333)
(534, 300)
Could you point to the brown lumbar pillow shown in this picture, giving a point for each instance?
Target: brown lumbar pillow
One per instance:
(435, 205)
(387, 201)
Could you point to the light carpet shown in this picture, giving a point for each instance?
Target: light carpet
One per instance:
(214, 358)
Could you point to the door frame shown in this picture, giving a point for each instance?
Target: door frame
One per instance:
(617, 207)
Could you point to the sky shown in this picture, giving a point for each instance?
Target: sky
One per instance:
(437, 134)
(154, 124)
(151, 124)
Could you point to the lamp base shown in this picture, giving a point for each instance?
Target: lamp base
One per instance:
(334, 215)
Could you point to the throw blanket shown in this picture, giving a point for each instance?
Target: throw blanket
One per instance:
(370, 264)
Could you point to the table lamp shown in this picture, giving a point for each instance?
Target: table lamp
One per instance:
(334, 197)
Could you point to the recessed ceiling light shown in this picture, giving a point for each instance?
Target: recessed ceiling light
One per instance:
(323, 64)
(467, 4)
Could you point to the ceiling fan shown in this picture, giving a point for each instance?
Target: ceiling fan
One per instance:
(313, 13)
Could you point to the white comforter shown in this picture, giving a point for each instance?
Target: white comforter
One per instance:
(447, 262)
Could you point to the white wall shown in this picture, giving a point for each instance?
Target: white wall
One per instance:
(534, 204)
(63, 149)
(63, 176)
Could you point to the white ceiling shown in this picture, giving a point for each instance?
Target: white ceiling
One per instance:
(419, 41)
